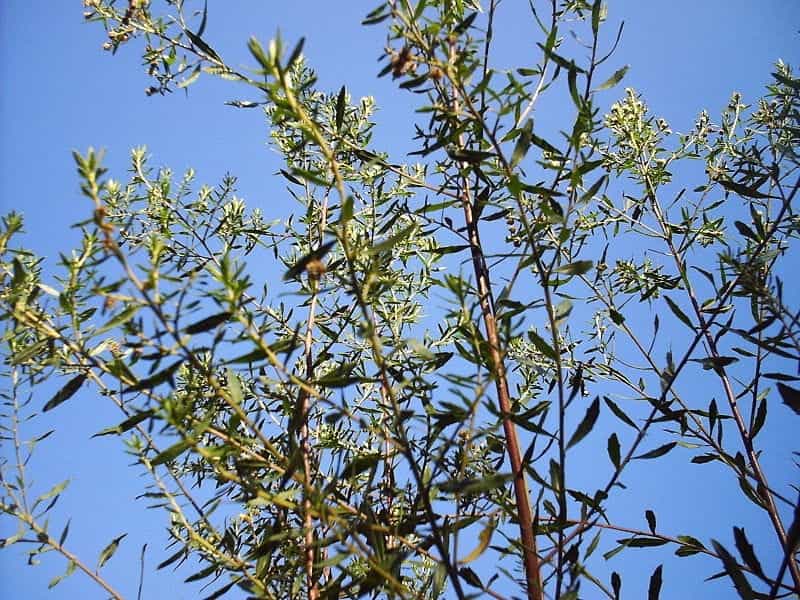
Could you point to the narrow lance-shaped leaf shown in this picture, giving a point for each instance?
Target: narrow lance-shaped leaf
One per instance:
(660, 451)
(157, 378)
(613, 450)
(171, 453)
(616, 580)
(127, 424)
(614, 79)
(484, 538)
(66, 392)
(576, 268)
(523, 143)
(741, 189)
(315, 255)
(588, 422)
(619, 413)
(203, 46)
(747, 552)
(790, 396)
(201, 29)
(654, 588)
(119, 319)
(676, 310)
(109, 551)
(207, 323)
(746, 231)
(650, 516)
(340, 106)
(733, 570)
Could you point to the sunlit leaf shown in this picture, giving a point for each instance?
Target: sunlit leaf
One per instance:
(484, 539)
(109, 551)
(171, 453)
(614, 79)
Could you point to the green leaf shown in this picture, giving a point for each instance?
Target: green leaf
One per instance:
(296, 52)
(676, 310)
(740, 582)
(596, 10)
(690, 546)
(642, 542)
(576, 268)
(475, 486)
(660, 451)
(470, 577)
(315, 255)
(484, 538)
(201, 44)
(207, 323)
(203, 20)
(442, 250)
(741, 189)
(474, 157)
(393, 241)
(654, 588)
(560, 60)
(109, 551)
(616, 580)
(29, 352)
(63, 537)
(588, 422)
(54, 491)
(715, 362)
(747, 552)
(523, 143)
(746, 231)
(201, 574)
(119, 319)
(761, 418)
(66, 392)
(545, 145)
(172, 558)
(127, 424)
(613, 450)
(171, 453)
(340, 106)
(250, 357)
(541, 345)
(157, 378)
(704, 458)
(650, 516)
(190, 79)
(234, 387)
(620, 414)
(376, 16)
(563, 310)
(614, 79)
(790, 396)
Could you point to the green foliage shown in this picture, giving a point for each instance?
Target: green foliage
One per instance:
(370, 442)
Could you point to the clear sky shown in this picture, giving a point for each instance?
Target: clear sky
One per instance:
(60, 92)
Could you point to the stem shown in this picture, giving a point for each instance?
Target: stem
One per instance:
(530, 556)
(747, 441)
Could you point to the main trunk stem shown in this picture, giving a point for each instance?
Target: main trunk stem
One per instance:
(530, 555)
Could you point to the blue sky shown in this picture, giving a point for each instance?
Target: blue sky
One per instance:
(62, 92)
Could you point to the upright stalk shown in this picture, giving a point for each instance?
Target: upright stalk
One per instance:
(530, 555)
